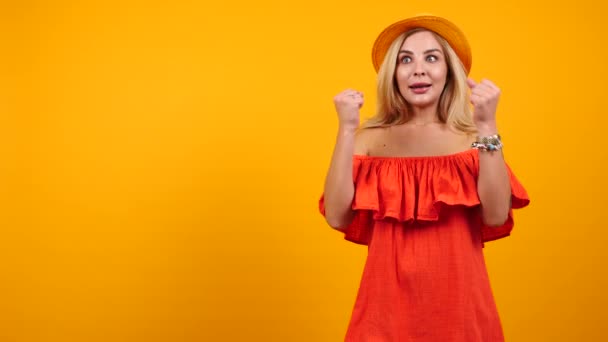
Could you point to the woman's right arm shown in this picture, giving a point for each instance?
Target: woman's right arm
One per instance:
(339, 186)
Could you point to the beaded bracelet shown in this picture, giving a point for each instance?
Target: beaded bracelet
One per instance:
(489, 143)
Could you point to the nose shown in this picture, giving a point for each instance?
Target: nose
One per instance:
(419, 69)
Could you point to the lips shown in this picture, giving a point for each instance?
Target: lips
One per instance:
(420, 88)
(419, 85)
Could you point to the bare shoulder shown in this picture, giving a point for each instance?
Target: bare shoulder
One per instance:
(458, 140)
(468, 138)
(365, 139)
(463, 137)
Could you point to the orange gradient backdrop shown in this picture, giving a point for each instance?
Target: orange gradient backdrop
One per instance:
(162, 162)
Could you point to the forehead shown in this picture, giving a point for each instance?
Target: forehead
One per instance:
(423, 40)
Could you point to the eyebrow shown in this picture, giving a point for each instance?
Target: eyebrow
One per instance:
(425, 52)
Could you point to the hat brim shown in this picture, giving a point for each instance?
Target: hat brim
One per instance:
(446, 29)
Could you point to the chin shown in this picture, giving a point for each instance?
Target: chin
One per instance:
(421, 104)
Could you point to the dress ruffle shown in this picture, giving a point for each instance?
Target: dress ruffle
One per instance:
(416, 189)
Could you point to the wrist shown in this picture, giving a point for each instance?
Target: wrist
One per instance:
(486, 129)
(347, 129)
(490, 143)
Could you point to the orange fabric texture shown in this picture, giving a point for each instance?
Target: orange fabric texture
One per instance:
(425, 277)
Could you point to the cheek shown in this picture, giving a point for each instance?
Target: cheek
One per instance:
(441, 76)
(401, 77)
(444, 73)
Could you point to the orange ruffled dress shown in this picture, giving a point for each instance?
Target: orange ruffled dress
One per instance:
(425, 277)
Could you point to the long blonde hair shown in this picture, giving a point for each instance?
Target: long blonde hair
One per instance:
(393, 109)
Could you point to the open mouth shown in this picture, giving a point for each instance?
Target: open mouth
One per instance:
(420, 86)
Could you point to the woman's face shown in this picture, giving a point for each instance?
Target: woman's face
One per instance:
(421, 70)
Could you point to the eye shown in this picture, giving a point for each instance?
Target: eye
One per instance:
(432, 58)
(405, 59)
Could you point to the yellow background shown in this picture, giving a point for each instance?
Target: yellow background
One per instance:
(161, 164)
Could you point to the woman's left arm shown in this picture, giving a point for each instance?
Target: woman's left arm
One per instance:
(493, 184)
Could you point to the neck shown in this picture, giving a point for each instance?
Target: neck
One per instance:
(424, 115)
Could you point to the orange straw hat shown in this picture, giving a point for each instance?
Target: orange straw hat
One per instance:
(446, 29)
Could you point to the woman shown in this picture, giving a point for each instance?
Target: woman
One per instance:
(424, 184)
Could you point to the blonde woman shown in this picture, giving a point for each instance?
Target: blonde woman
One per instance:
(424, 185)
